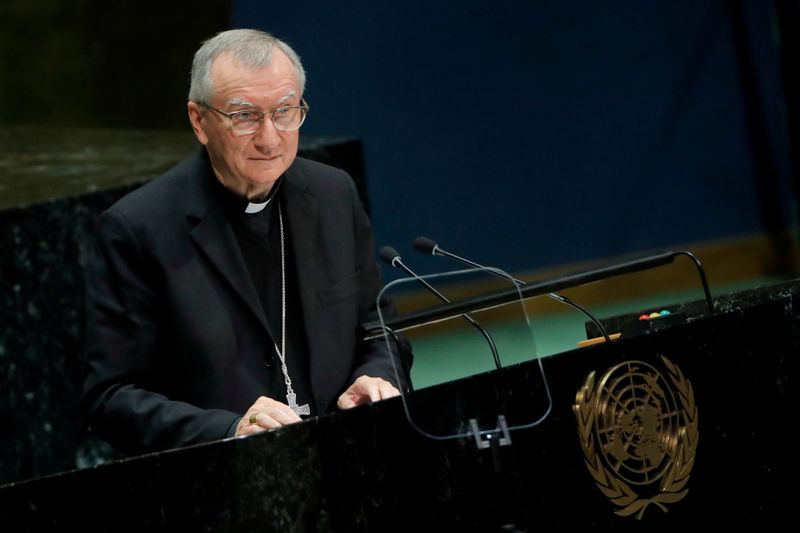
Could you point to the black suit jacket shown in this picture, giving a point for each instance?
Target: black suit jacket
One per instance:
(177, 337)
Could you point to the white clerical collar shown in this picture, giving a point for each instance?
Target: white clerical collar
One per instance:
(255, 207)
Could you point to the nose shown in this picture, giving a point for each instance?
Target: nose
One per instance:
(267, 136)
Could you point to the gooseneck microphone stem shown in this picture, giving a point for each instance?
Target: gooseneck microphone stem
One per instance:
(390, 256)
(538, 288)
(426, 245)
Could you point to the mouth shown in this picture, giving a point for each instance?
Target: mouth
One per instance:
(265, 158)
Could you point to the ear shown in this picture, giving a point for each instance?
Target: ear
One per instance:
(196, 120)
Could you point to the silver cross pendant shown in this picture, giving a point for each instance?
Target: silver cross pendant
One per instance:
(299, 409)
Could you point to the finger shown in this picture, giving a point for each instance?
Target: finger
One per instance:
(388, 390)
(264, 404)
(345, 401)
(250, 429)
(277, 410)
(266, 421)
(373, 391)
(283, 414)
(383, 389)
(245, 427)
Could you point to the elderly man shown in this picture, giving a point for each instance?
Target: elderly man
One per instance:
(224, 297)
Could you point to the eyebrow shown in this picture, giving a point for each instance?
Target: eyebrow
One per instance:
(241, 102)
(246, 103)
(288, 95)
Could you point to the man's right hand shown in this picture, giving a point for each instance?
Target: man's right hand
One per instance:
(265, 414)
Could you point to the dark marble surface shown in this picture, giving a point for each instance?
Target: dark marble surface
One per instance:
(368, 470)
(40, 164)
(690, 311)
(53, 185)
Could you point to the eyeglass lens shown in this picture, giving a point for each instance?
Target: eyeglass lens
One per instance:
(284, 118)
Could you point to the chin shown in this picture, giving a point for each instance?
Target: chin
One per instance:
(265, 173)
(263, 181)
(272, 178)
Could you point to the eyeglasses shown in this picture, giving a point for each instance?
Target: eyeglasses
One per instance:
(247, 121)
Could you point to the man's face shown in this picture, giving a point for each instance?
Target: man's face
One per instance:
(249, 164)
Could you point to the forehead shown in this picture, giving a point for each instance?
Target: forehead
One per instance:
(264, 85)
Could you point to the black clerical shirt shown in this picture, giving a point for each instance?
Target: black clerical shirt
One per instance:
(259, 238)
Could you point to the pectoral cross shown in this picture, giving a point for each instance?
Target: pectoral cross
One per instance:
(299, 409)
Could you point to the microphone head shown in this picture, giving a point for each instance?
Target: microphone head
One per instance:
(425, 245)
(388, 255)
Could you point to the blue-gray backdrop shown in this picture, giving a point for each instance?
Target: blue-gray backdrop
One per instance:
(529, 134)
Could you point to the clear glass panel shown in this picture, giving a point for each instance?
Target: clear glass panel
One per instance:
(466, 344)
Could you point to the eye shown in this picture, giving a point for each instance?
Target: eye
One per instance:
(283, 111)
(247, 116)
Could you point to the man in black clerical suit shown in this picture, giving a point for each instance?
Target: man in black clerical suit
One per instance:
(224, 297)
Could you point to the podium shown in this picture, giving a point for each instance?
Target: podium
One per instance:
(367, 469)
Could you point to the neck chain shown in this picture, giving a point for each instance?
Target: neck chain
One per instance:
(291, 397)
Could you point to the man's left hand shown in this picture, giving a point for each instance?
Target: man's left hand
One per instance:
(366, 389)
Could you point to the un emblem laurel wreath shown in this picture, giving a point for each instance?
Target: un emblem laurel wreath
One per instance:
(672, 486)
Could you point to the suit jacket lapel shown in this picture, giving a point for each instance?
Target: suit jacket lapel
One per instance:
(301, 210)
(214, 237)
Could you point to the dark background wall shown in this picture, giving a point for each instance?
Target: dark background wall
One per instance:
(527, 134)
(108, 64)
(537, 133)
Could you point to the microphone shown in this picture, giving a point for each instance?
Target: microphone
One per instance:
(429, 246)
(390, 256)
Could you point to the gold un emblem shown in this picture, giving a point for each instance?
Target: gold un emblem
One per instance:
(638, 431)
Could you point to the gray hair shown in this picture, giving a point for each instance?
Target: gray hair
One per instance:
(251, 47)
